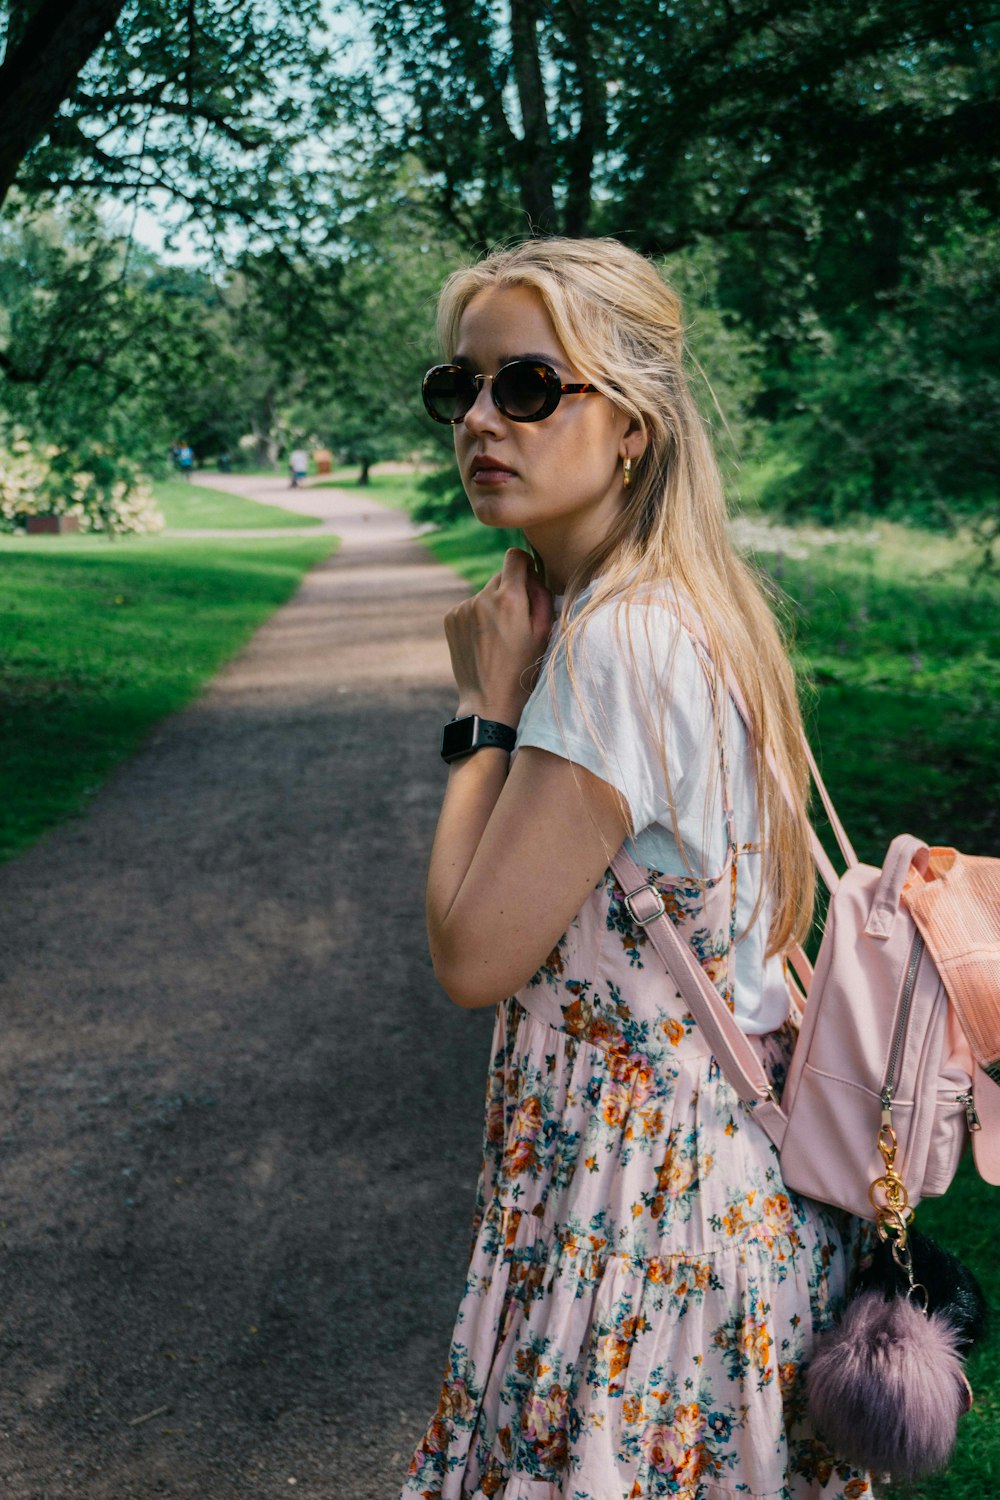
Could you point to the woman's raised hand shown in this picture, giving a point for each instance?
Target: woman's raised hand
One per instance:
(497, 640)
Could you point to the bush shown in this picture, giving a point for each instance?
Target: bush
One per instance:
(441, 498)
(104, 490)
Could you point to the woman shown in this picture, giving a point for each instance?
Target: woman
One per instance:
(643, 1292)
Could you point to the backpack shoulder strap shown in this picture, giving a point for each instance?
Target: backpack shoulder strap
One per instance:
(734, 1053)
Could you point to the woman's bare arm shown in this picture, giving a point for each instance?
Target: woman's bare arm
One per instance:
(515, 858)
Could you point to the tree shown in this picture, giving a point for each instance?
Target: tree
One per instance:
(204, 108)
(357, 325)
(827, 152)
(93, 331)
(897, 415)
(667, 122)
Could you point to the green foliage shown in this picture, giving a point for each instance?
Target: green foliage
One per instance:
(99, 643)
(101, 344)
(697, 117)
(377, 336)
(894, 412)
(206, 109)
(724, 361)
(818, 182)
(97, 342)
(104, 490)
(439, 497)
(839, 158)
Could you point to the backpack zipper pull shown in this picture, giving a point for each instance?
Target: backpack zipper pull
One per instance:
(970, 1110)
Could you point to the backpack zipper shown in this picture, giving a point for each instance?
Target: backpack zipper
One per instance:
(909, 983)
(971, 1115)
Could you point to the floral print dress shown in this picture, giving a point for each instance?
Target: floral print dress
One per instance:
(643, 1291)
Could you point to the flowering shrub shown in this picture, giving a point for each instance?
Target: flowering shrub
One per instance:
(104, 490)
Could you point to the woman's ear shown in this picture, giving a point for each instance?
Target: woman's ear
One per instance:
(634, 442)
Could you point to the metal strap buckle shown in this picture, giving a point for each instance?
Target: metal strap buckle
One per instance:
(660, 911)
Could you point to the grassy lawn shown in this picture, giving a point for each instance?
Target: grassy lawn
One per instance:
(100, 640)
(188, 507)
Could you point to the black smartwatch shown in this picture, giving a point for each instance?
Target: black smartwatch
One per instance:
(465, 736)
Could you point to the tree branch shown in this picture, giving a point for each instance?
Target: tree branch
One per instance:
(38, 73)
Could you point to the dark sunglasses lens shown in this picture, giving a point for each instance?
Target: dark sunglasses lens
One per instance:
(521, 389)
(449, 393)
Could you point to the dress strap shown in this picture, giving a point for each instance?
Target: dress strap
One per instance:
(732, 1049)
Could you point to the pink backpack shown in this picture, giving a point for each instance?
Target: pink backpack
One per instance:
(898, 1056)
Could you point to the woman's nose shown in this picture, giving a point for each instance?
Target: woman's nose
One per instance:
(483, 415)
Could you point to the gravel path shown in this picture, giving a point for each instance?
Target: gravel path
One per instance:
(241, 1122)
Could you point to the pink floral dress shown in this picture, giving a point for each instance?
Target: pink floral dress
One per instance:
(643, 1290)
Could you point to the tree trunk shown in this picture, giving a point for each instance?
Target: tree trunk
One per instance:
(590, 132)
(882, 480)
(364, 477)
(536, 146)
(40, 69)
(886, 221)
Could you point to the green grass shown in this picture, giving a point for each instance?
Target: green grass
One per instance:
(100, 640)
(187, 506)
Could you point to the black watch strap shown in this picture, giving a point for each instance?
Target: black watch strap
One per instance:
(464, 736)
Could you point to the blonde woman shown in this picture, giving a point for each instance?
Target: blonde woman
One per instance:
(643, 1291)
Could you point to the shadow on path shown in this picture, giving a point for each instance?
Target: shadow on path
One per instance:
(241, 1123)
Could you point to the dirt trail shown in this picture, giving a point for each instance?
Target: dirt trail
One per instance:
(241, 1123)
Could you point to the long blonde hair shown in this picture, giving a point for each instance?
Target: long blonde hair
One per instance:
(621, 327)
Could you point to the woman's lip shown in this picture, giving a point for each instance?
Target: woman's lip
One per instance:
(492, 476)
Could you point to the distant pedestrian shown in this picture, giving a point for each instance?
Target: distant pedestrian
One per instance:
(299, 465)
(185, 459)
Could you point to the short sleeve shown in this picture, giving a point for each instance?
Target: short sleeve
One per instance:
(634, 679)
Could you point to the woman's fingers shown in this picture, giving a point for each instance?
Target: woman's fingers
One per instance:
(540, 604)
(498, 637)
(518, 574)
(515, 567)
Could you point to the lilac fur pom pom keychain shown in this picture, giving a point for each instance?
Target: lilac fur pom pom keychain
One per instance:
(886, 1388)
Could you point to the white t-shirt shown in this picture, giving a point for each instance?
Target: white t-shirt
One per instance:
(621, 657)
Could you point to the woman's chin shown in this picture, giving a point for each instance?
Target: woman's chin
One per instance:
(497, 509)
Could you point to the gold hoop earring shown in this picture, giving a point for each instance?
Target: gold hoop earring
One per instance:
(627, 473)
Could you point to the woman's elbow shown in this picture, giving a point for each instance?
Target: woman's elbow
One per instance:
(466, 982)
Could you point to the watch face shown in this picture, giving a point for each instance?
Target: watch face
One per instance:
(458, 737)
(462, 736)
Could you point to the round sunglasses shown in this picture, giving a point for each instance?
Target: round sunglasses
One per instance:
(526, 390)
